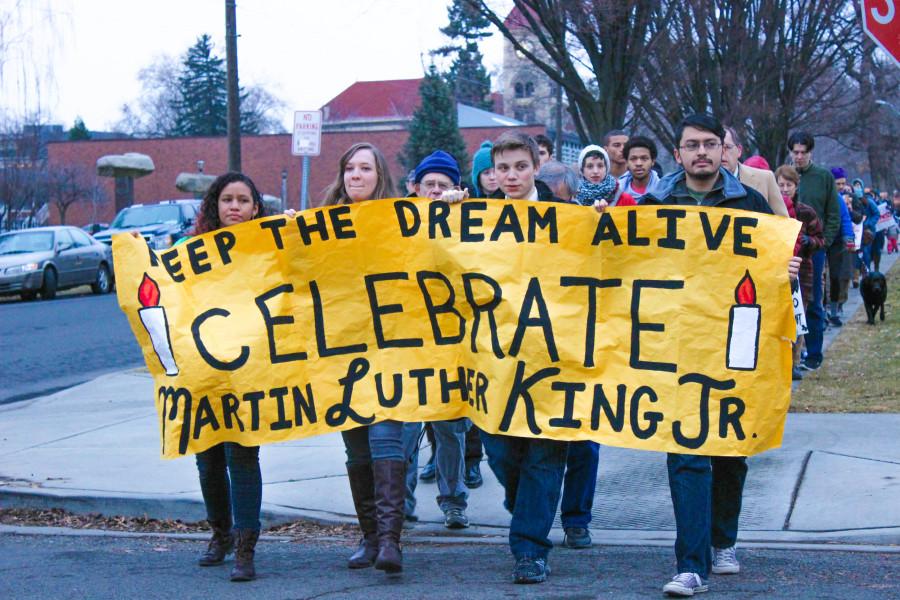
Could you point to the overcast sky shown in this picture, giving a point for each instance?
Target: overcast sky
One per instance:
(81, 57)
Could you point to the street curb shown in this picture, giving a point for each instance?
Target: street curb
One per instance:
(456, 539)
(189, 510)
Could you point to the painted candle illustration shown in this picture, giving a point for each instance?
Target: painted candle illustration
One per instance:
(153, 316)
(743, 327)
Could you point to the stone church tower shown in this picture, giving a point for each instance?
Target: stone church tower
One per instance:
(528, 94)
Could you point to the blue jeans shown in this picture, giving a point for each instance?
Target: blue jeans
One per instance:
(531, 473)
(690, 483)
(231, 483)
(449, 462)
(815, 313)
(580, 484)
(728, 476)
(379, 441)
(411, 432)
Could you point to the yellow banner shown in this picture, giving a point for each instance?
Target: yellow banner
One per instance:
(660, 328)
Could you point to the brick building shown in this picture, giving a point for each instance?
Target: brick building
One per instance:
(376, 112)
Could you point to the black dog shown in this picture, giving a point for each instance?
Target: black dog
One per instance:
(873, 289)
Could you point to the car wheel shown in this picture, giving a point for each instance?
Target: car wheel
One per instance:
(102, 284)
(28, 295)
(48, 290)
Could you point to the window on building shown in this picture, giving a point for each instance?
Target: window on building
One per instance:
(529, 89)
(520, 91)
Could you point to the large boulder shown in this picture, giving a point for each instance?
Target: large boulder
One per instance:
(130, 164)
(194, 183)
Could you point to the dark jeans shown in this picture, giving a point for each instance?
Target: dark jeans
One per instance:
(815, 316)
(531, 473)
(580, 484)
(379, 441)
(690, 483)
(231, 483)
(728, 476)
(473, 446)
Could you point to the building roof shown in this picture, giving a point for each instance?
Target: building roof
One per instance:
(469, 116)
(516, 19)
(366, 100)
(389, 104)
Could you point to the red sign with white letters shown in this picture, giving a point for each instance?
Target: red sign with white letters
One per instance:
(882, 23)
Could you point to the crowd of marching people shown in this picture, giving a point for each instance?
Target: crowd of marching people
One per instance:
(843, 235)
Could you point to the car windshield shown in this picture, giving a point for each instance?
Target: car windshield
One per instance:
(22, 243)
(141, 216)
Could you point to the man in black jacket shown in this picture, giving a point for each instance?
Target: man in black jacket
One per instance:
(706, 491)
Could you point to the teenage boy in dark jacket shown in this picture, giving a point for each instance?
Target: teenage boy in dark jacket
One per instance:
(706, 492)
(530, 470)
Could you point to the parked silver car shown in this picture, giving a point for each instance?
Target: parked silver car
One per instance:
(47, 259)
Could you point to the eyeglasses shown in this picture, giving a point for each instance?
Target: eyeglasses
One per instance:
(430, 185)
(707, 145)
(729, 147)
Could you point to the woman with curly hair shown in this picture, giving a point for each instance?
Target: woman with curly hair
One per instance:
(230, 477)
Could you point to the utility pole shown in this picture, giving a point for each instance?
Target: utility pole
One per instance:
(234, 101)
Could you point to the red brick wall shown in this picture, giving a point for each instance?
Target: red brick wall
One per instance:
(263, 158)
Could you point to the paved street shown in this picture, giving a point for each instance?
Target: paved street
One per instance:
(50, 345)
(112, 567)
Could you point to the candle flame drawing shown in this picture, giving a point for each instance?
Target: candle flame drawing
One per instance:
(743, 327)
(155, 322)
(148, 292)
(745, 292)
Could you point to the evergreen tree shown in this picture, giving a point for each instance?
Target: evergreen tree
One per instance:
(434, 125)
(79, 131)
(202, 104)
(467, 76)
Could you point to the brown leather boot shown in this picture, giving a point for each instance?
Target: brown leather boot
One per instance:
(245, 546)
(390, 491)
(220, 546)
(362, 487)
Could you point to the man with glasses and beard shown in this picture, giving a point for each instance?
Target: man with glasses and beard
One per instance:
(705, 502)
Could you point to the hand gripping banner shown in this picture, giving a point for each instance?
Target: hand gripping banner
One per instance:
(659, 328)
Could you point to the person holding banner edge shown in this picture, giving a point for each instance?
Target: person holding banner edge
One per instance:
(706, 491)
(376, 459)
(230, 477)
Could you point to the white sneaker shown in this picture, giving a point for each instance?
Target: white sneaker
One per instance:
(725, 562)
(685, 584)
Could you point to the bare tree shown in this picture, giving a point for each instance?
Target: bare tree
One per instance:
(592, 48)
(153, 113)
(71, 184)
(22, 174)
(764, 66)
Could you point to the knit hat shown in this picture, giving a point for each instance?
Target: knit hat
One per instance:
(481, 162)
(838, 173)
(758, 162)
(592, 148)
(438, 162)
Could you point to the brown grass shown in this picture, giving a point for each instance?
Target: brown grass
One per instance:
(861, 368)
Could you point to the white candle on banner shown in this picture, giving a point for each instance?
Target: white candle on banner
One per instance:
(743, 327)
(155, 322)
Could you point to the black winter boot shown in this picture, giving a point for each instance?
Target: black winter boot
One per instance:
(220, 546)
(390, 492)
(362, 487)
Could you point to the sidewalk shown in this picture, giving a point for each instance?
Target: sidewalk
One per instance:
(95, 448)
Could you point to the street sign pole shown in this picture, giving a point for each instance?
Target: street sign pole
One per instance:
(304, 185)
(306, 142)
